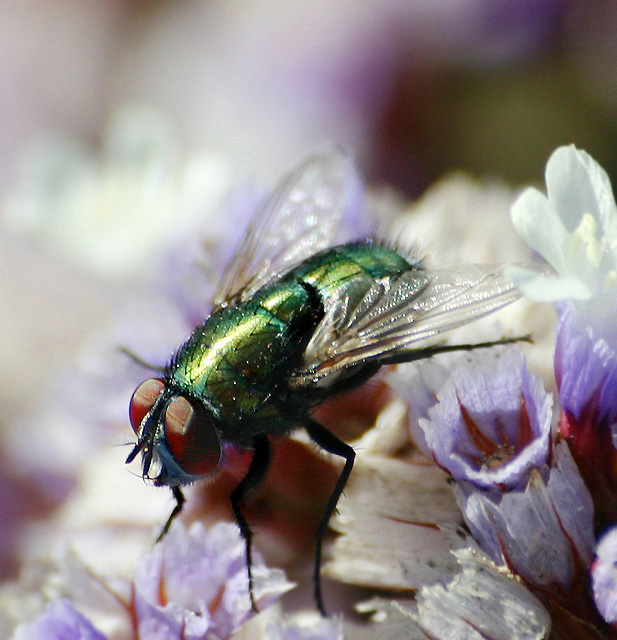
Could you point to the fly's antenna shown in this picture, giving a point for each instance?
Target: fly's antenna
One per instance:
(140, 361)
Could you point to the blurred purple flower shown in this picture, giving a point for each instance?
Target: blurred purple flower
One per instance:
(192, 585)
(604, 577)
(305, 627)
(61, 621)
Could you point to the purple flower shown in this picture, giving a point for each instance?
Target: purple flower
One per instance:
(492, 422)
(418, 386)
(604, 577)
(61, 621)
(543, 532)
(586, 371)
(525, 504)
(586, 368)
(574, 227)
(194, 584)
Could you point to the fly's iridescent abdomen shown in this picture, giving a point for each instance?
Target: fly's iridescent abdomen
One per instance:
(347, 269)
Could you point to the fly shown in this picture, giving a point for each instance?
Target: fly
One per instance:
(296, 321)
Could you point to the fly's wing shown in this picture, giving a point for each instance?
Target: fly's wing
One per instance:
(394, 313)
(300, 218)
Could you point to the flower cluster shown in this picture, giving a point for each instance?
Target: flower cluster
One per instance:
(191, 585)
(575, 228)
(520, 543)
(537, 485)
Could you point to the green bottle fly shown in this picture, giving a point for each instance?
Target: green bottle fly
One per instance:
(296, 321)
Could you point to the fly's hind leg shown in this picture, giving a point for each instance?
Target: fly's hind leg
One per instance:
(330, 443)
(411, 355)
(252, 479)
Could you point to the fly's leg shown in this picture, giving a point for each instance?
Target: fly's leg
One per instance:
(330, 443)
(252, 479)
(428, 352)
(179, 496)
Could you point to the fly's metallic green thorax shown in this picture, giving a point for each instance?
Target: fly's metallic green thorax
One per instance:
(241, 360)
(295, 321)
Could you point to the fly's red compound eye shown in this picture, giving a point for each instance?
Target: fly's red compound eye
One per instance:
(143, 400)
(191, 437)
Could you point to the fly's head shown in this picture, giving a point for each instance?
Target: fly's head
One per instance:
(175, 434)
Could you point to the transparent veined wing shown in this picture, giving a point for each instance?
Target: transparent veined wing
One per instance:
(396, 312)
(300, 218)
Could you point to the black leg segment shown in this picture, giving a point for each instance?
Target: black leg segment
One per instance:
(428, 352)
(179, 496)
(252, 479)
(330, 443)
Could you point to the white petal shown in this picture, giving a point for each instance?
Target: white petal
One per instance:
(537, 221)
(576, 185)
(543, 288)
(386, 519)
(481, 602)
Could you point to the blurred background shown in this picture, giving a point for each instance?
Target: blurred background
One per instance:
(415, 87)
(122, 122)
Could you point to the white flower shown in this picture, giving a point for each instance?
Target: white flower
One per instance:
(574, 228)
(110, 211)
(480, 600)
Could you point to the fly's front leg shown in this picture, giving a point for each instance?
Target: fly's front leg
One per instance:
(252, 479)
(180, 499)
(330, 443)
